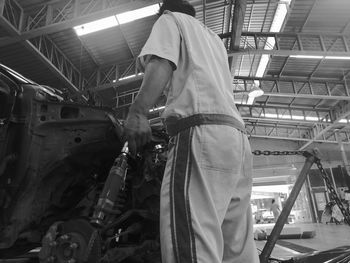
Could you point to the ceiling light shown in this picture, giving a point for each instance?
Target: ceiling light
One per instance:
(255, 92)
(262, 65)
(157, 109)
(307, 56)
(250, 100)
(131, 76)
(138, 14)
(116, 20)
(97, 25)
(336, 57)
(320, 57)
(311, 118)
(276, 25)
(280, 14)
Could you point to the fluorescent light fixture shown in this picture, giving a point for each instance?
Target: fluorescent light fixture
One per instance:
(343, 121)
(250, 100)
(288, 117)
(297, 117)
(320, 57)
(280, 14)
(270, 115)
(310, 118)
(307, 56)
(130, 76)
(262, 65)
(157, 109)
(336, 57)
(97, 25)
(116, 20)
(255, 92)
(130, 16)
(276, 25)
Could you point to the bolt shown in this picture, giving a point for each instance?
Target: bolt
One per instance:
(65, 237)
(53, 244)
(51, 259)
(74, 246)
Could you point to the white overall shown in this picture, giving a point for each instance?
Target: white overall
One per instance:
(205, 214)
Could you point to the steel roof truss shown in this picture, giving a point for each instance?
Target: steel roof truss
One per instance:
(298, 89)
(308, 44)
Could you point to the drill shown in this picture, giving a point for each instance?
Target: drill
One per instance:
(114, 183)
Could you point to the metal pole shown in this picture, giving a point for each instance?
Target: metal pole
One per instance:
(276, 231)
(344, 158)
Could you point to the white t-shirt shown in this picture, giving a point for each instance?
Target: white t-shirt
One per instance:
(202, 80)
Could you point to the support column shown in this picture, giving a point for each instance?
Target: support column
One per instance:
(2, 7)
(237, 26)
(344, 158)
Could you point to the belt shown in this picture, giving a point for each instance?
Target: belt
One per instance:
(175, 126)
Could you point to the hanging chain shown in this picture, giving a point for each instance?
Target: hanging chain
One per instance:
(332, 192)
(90, 245)
(330, 187)
(259, 152)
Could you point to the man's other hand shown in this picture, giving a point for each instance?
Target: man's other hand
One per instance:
(137, 131)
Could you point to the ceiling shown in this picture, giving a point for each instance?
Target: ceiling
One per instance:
(305, 99)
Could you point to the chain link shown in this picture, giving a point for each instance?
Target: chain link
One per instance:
(324, 175)
(90, 245)
(333, 192)
(259, 152)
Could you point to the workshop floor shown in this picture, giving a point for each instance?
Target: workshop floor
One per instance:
(327, 237)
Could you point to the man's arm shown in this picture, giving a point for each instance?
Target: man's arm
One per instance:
(137, 129)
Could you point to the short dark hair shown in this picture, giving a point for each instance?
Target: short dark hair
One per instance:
(181, 6)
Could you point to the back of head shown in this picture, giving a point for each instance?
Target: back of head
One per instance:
(181, 6)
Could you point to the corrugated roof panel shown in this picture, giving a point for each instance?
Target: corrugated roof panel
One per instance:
(325, 16)
(246, 65)
(298, 15)
(69, 43)
(23, 61)
(107, 46)
(332, 68)
(3, 32)
(259, 16)
(275, 65)
(137, 32)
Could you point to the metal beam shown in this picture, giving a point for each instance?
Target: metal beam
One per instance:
(237, 26)
(293, 139)
(284, 53)
(204, 11)
(280, 120)
(308, 43)
(289, 79)
(72, 14)
(63, 68)
(306, 96)
(315, 89)
(341, 112)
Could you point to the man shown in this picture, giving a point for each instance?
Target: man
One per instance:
(275, 209)
(205, 197)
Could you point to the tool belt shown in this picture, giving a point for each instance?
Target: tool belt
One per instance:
(174, 126)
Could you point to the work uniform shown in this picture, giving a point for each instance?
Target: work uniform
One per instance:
(205, 214)
(275, 210)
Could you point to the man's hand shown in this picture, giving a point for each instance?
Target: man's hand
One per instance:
(137, 131)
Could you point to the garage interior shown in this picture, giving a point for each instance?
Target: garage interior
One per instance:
(290, 64)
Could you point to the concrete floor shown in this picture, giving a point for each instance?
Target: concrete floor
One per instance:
(327, 237)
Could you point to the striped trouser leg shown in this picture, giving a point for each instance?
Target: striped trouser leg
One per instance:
(205, 193)
(177, 236)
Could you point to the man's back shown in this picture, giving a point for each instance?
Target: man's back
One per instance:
(201, 82)
(205, 198)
